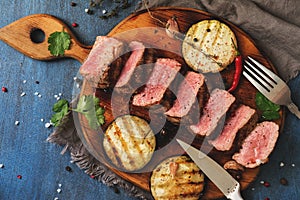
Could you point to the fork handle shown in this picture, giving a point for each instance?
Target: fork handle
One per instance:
(294, 109)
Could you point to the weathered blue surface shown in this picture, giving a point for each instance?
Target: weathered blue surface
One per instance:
(23, 149)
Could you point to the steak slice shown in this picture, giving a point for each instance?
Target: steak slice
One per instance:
(233, 124)
(97, 67)
(162, 75)
(186, 95)
(258, 145)
(216, 107)
(133, 61)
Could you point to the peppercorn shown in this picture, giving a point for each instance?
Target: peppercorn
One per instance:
(73, 4)
(283, 181)
(4, 89)
(37, 82)
(74, 24)
(266, 184)
(68, 168)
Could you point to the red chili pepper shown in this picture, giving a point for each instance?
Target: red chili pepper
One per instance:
(238, 62)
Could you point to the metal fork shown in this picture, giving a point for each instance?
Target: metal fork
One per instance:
(269, 84)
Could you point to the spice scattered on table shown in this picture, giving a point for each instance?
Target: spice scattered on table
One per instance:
(69, 169)
(4, 89)
(281, 164)
(23, 94)
(266, 184)
(74, 24)
(283, 181)
(19, 176)
(17, 123)
(73, 4)
(1, 165)
(58, 190)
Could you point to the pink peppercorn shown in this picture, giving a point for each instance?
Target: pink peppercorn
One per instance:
(19, 177)
(267, 184)
(74, 24)
(267, 198)
(4, 89)
(92, 176)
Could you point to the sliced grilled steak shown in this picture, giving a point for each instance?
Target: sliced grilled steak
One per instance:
(97, 68)
(164, 72)
(134, 60)
(216, 107)
(232, 125)
(187, 93)
(258, 145)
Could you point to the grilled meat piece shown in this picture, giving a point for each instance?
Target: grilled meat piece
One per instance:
(164, 72)
(258, 145)
(187, 93)
(232, 125)
(135, 59)
(102, 66)
(216, 107)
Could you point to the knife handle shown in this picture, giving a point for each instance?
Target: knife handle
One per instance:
(235, 195)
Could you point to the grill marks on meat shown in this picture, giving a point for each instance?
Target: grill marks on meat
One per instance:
(97, 68)
(216, 107)
(164, 72)
(187, 93)
(258, 145)
(133, 61)
(233, 124)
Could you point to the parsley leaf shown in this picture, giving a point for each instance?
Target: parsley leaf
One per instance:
(268, 108)
(89, 106)
(59, 42)
(60, 108)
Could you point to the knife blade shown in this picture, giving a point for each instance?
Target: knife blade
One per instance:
(217, 174)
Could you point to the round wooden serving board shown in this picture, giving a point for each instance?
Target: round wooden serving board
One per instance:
(142, 27)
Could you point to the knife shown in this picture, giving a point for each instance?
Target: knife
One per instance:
(217, 174)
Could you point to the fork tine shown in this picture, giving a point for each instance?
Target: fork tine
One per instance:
(256, 84)
(262, 79)
(274, 77)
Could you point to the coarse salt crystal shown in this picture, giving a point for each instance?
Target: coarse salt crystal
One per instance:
(36, 93)
(39, 95)
(1, 165)
(24, 81)
(58, 190)
(23, 94)
(104, 11)
(59, 185)
(42, 120)
(56, 198)
(47, 125)
(17, 122)
(59, 94)
(262, 182)
(281, 164)
(293, 165)
(58, 98)
(55, 96)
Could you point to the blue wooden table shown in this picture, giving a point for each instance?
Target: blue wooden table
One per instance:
(31, 168)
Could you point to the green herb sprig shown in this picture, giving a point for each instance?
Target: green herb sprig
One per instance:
(270, 111)
(88, 105)
(59, 42)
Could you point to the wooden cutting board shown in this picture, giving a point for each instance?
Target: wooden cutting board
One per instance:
(138, 26)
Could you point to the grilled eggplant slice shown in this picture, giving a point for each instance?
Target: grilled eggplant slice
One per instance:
(129, 142)
(177, 178)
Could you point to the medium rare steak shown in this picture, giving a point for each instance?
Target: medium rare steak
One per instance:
(232, 125)
(258, 145)
(97, 67)
(216, 107)
(186, 95)
(162, 75)
(133, 61)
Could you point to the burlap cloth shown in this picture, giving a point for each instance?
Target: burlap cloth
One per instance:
(273, 24)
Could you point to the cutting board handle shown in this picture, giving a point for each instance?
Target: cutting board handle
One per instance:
(29, 35)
